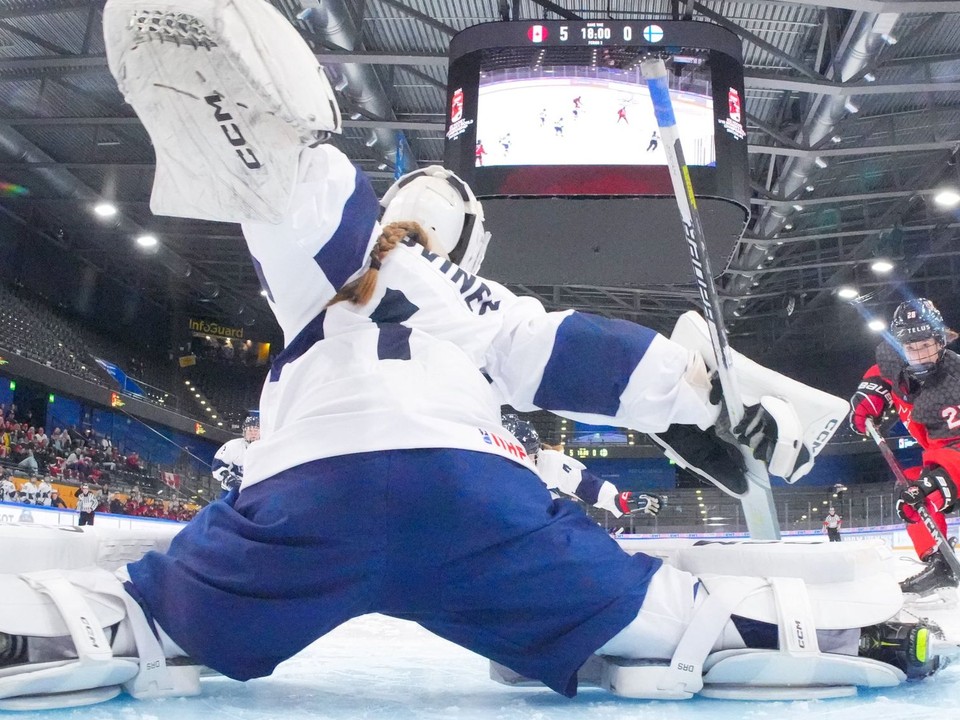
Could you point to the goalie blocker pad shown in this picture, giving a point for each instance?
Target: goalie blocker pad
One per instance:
(806, 417)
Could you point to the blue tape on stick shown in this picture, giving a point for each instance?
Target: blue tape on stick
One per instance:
(660, 95)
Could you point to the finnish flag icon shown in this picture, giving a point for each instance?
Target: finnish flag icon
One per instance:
(653, 33)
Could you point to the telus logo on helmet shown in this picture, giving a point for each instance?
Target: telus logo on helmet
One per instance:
(246, 154)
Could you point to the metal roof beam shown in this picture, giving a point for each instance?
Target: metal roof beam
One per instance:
(425, 19)
(775, 81)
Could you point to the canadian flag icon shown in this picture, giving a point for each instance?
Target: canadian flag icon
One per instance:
(537, 33)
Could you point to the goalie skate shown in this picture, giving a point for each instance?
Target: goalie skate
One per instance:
(229, 93)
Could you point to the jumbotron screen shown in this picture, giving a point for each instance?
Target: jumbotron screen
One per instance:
(588, 115)
(552, 126)
(561, 108)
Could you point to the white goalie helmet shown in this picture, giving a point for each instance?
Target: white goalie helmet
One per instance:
(446, 208)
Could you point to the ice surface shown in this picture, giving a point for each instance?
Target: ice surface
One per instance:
(378, 668)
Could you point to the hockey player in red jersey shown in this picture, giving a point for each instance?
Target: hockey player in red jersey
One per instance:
(919, 378)
(622, 115)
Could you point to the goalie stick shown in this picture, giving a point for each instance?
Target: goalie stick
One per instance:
(940, 542)
(758, 507)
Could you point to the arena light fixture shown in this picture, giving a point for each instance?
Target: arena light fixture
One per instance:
(947, 197)
(848, 293)
(105, 209)
(820, 162)
(881, 266)
(877, 325)
(147, 241)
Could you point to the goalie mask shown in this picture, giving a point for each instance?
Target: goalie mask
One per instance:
(919, 331)
(523, 431)
(251, 428)
(446, 208)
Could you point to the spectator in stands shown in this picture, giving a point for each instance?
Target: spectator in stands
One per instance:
(40, 439)
(43, 491)
(106, 444)
(57, 440)
(87, 503)
(56, 501)
(132, 461)
(28, 492)
(8, 491)
(74, 435)
(71, 463)
(116, 505)
(29, 464)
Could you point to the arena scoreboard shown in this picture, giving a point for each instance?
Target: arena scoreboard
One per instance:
(547, 111)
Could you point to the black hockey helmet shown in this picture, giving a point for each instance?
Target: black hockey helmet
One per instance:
(915, 321)
(251, 427)
(523, 431)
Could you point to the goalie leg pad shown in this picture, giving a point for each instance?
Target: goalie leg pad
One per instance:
(806, 417)
(815, 563)
(80, 605)
(229, 93)
(704, 661)
(30, 547)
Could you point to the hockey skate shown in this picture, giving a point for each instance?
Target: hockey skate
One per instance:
(229, 93)
(908, 646)
(935, 585)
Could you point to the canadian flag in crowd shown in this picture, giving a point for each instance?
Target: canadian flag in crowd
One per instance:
(171, 479)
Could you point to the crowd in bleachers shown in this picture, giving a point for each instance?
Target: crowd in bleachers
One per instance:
(48, 492)
(68, 454)
(31, 461)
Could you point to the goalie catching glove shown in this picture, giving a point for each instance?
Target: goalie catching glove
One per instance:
(935, 488)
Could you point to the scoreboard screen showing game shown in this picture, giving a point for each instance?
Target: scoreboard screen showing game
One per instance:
(587, 115)
(552, 126)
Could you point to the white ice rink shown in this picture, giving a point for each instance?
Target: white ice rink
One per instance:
(377, 668)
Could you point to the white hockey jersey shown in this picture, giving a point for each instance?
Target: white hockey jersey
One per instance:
(229, 459)
(427, 362)
(8, 491)
(563, 473)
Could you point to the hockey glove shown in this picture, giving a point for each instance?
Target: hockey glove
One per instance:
(934, 486)
(871, 400)
(230, 481)
(631, 503)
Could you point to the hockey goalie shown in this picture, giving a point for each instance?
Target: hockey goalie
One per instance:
(384, 481)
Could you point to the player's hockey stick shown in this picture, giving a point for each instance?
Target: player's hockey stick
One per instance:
(940, 542)
(757, 502)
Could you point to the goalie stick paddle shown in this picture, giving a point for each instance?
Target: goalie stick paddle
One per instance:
(758, 506)
(940, 542)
